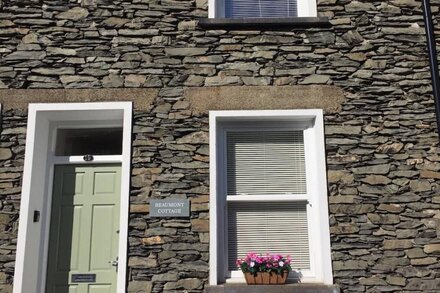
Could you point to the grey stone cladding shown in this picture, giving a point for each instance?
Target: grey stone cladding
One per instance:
(383, 157)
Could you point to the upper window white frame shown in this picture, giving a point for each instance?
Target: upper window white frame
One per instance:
(306, 8)
(311, 122)
(40, 159)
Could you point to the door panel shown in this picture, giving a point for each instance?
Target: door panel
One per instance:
(73, 184)
(99, 289)
(64, 289)
(84, 228)
(69, 239)
(102, 249)
(104, 183)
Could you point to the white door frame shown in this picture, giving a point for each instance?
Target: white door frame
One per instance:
(33, 238)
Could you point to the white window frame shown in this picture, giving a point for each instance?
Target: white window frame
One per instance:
(311, 122)
(40, 161)
(306, 8)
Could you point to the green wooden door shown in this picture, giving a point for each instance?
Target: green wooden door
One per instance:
(84, 229)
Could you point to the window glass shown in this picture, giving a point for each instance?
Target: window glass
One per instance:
(88, 141)
(265, 162)
(273, 227)
(260, 8)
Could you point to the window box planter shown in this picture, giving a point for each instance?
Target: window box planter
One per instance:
(263, 278)
(270, 269)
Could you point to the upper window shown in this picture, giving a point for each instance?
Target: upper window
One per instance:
(262, 8)
(268, 191)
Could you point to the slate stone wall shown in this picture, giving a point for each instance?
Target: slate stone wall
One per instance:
(12, 143)
(382, 147)
(170, 159)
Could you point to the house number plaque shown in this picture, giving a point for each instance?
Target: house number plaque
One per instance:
(164, 208)
(83, 278)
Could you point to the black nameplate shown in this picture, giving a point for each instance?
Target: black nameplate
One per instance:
(83, 278)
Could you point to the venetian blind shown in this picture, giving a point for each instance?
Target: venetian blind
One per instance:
(260, 8)
(265, 162)
(274, 227)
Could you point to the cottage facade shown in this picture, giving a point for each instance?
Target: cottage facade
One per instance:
(109, 105)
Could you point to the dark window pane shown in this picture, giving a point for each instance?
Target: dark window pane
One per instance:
(89, 141)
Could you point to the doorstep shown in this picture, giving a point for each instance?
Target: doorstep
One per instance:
(287, 288)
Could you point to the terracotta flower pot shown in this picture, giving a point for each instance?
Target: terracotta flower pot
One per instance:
(265, 278)
(281, 279)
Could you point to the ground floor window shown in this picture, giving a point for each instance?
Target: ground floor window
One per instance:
(268, 191)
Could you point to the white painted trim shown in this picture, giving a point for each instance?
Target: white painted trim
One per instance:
(211, 9)
(266, 115)
(125, 198)
(80, 160)
(32, 247)
(19, 277)
(321, 189)
(317, 209)
(272, 197)
(312, 215)
(213, 237)
(306, 8)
